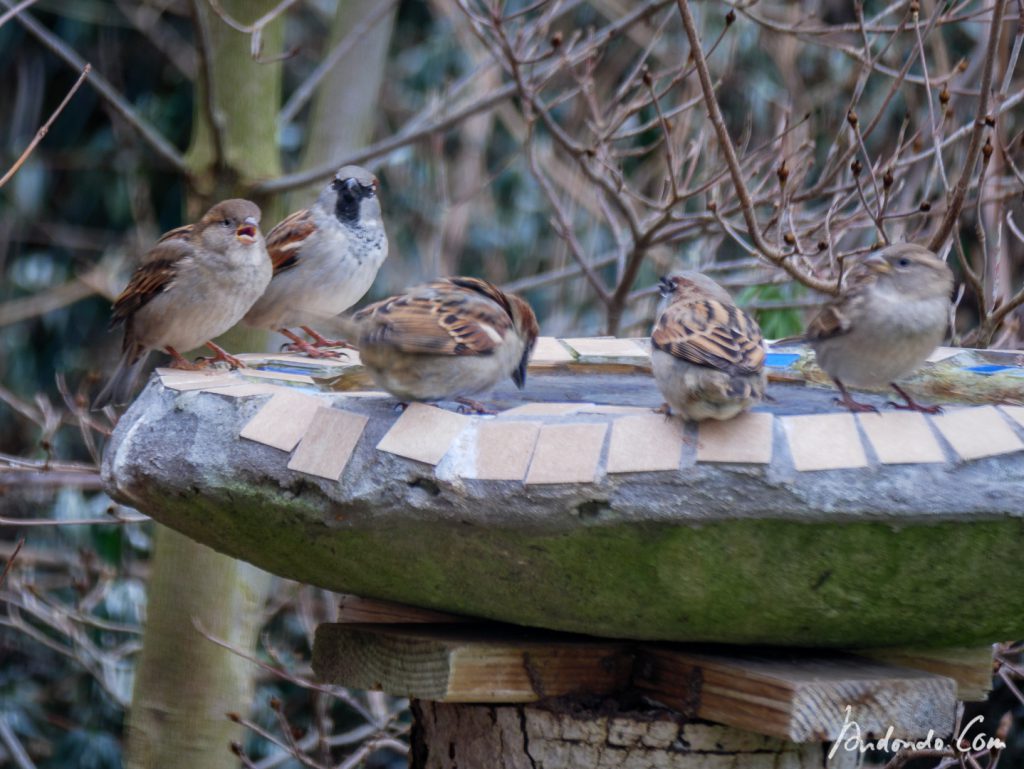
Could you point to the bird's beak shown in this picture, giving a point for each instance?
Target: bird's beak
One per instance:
(878, 263)
(246, 233)
(519, 375)
(665, 286)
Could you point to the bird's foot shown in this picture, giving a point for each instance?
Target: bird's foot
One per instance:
(320, 341)
(911, 404)
(177, 361)
(220, 355)
(470, 406)
(855, 407)
(300, 345)
(664, 408)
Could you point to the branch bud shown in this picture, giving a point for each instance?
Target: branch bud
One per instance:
(782, 173)
(925, 206)
(887, 178)
(556, 40)
(856, 166)
(851, 118)
(730, 17)
(822, 245)
(790, 239)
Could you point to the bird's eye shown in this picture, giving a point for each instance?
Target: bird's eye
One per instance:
(904, 262)
(226, 222)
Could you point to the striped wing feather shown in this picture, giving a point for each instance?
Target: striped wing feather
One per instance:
(441, 318)
(285, 241)
(709, 333)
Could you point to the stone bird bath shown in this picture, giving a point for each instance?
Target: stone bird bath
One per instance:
(577, 509)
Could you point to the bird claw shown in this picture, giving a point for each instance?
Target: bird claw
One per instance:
(664, 408)
(311, 350)
(470, 406)
(915, 406)
(855, 407)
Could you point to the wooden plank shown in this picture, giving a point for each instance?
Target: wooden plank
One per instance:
(970, 667)
(453, 664)
(353, 609)
(800, 696)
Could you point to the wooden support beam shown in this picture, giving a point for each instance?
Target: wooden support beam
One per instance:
(353, 609)
(970, 667)
(800, 696)
(467, 664)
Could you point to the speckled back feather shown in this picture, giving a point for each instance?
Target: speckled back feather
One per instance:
(709, 333)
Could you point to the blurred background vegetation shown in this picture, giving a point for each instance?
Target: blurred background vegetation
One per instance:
(527, 143)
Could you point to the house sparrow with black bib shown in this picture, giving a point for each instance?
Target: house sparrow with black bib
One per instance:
(706, 353)
(891, 314)
(325, 259)
(445, 340)
(195, 284)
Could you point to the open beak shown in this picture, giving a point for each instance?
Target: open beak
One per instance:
(665, 286)
(878, 263)
(519, 375)
(246, 233)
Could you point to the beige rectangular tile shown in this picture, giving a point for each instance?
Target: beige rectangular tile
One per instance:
(941, 353)
(645, 443)
(545, 409)
(207, 383)
(824, 442)
(977, 432)
(504, 449)
(606, 347)
(283, 420)
(550, 350)
(567, 453)
(328, 444)
(1016, 413)
(901, 437)
(747, 438)
(246, 389)
(424, 433)
(603, 408)
(281, 376)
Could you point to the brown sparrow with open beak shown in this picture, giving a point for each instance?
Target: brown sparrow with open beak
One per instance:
(891, 314)
(325, 259)
(445, 340)
(707, 354)
(195, 284)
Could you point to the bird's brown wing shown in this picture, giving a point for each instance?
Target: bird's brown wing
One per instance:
(441, 318)
(832, 320)
(709, 333)
(150, 279)
(285, 241)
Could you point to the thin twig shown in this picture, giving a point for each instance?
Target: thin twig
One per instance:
(729, 151)
(10, 560)
(120, 105)
(41, 133)
(956, 202)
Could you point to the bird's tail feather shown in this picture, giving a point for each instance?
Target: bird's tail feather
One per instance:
(118, 390)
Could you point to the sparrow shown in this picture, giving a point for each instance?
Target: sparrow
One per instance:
(445, 340)
(889, 317)
(707, 354)
(325, 259)
(193, 285)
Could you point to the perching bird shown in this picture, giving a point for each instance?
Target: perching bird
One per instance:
(195, 284)
(891, 314)
(707, 354)
(325, 259)
(445, 340)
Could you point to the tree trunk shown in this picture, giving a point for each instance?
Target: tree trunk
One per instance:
(185, 684)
